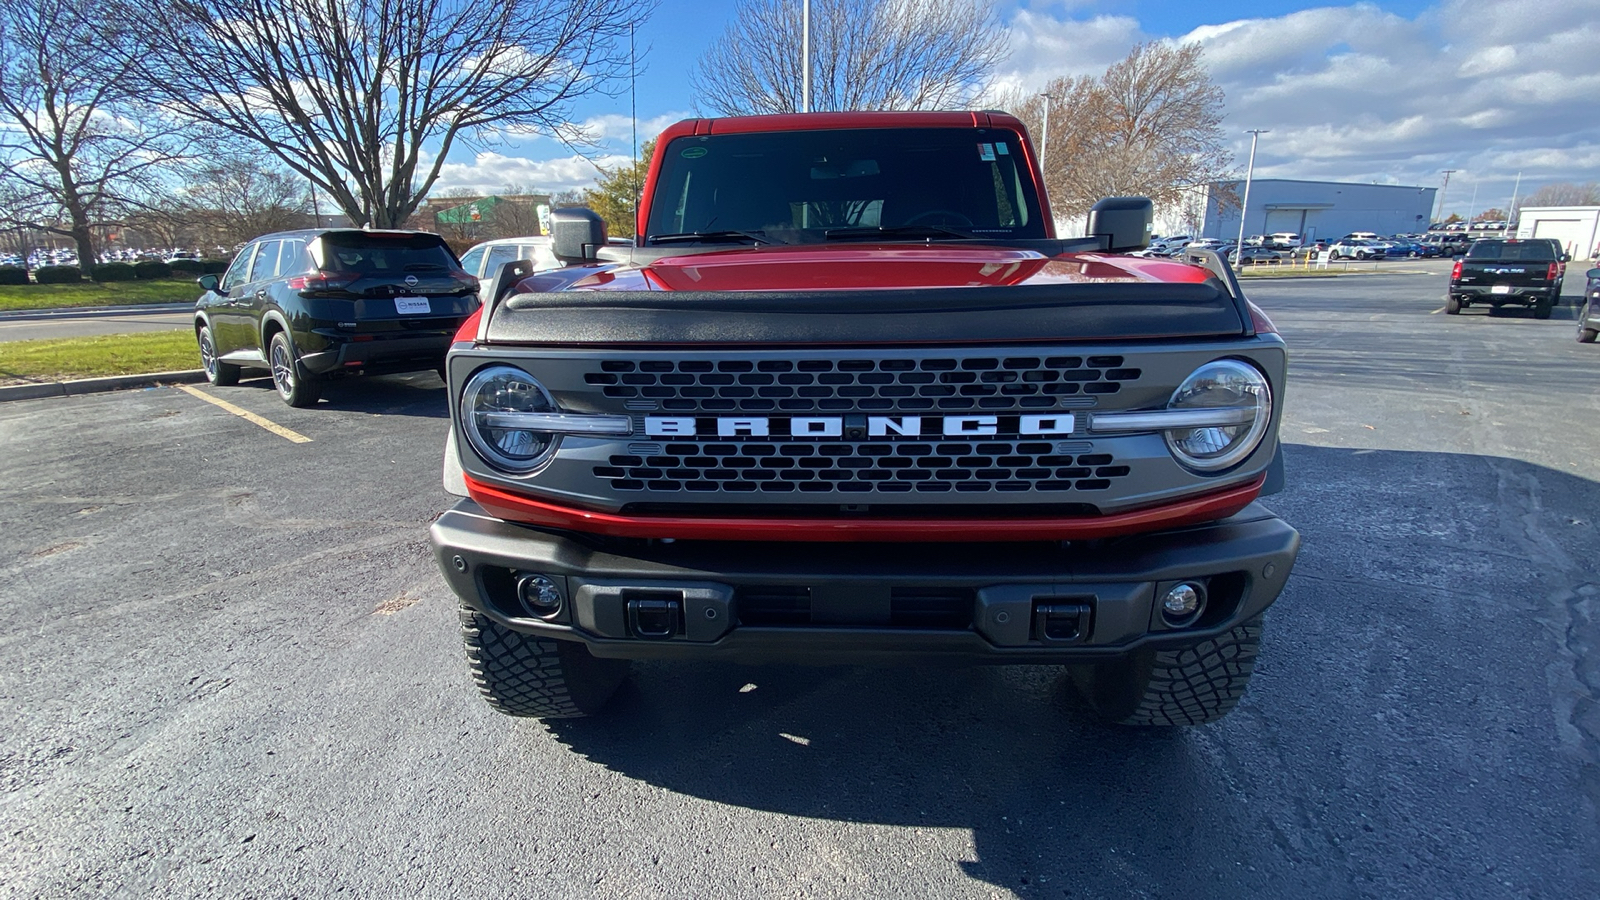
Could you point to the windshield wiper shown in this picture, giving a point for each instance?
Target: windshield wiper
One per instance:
(713, 237)
(845, 234)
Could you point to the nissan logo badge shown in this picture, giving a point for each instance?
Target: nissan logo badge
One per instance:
(411, 281)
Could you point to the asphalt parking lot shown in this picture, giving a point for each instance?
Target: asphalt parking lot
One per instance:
(231, 669)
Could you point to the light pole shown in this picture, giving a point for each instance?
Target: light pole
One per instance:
(1511, 211)
(1249, 173)
(1471, 205)
(1440, 217)
(805, 56)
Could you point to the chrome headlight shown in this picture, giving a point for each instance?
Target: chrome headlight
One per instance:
(489, 394)
(1232, 389)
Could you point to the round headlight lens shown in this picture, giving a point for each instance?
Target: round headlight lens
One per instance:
(503, 389)
(1221, 384)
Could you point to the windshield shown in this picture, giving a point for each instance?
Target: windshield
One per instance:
(1539, 251)
(813, 186)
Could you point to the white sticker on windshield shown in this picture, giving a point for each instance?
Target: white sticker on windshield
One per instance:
(986, 152)
(1002, 148)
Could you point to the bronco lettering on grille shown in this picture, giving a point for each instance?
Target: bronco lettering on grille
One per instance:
(869, 426)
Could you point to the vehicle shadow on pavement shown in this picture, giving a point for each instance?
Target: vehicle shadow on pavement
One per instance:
(1405, 674)
(419, 394)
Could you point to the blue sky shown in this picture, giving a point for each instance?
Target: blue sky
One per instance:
(1390, 92)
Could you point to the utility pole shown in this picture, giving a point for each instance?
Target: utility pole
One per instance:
(1511, 211)
(1440, 217)
(1255, 135)
(1044, 140)
(805, 56)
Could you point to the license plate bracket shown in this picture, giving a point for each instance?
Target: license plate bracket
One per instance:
(412, 306)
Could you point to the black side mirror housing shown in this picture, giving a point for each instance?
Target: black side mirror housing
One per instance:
(1123, 224)
(576, 234)
(208, 282)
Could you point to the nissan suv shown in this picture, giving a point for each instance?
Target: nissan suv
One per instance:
(313, 305)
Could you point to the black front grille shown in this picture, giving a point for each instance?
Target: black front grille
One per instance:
(948, 383)
(881, 467)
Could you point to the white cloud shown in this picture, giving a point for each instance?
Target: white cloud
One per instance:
(490, 172)
(1354, 93)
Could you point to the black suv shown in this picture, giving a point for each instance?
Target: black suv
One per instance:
(314, 304)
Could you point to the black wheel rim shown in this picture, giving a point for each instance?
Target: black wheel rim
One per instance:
(282, 368)
(208, 354)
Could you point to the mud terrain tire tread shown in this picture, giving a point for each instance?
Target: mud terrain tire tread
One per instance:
(1191, 686)
(521, 675)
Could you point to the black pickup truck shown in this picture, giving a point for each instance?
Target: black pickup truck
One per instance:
(1498, 271)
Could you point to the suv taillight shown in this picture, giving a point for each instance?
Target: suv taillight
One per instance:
(1455, 271)
(321, 281)
(462, 276)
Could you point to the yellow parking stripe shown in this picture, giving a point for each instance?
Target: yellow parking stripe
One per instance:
(247, 415)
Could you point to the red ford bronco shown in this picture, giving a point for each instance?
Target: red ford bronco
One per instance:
(848, 399)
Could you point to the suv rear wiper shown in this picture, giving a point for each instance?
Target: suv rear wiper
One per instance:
(710, 237)
(845, 234)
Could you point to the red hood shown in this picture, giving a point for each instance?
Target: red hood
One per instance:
(855, 266)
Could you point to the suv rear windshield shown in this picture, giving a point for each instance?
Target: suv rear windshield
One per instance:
(1540, 251)
(796, 186)
(381, 254)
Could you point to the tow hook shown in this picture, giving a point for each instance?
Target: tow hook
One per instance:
(1059, 624)
(654, 620)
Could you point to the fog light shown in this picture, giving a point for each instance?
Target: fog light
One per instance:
(539, 595)
(1182, 603)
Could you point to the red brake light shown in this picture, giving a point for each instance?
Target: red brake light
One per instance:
(321, 281)
(1555, 270)
(1455, 271)
(462, 276)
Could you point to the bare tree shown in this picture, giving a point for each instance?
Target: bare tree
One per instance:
(1151, 126)
(1563, 193)
(77, 146)
(366, 98)
(239, 198)
(867, 54)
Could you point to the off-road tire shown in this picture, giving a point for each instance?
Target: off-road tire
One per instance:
(1191, 686)
(1586, 335)
(1452, 305)
(294, 388)
(522, 675)
(217, 372)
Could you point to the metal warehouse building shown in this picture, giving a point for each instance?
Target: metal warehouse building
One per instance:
(1317, 209)
(1576, 227)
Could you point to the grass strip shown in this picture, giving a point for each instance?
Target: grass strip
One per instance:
(88, 293)
(65, 359)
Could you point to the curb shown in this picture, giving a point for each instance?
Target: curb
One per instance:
(98, 385)
(77, 312)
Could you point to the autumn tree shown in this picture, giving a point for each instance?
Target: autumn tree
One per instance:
(78, 147)
(616, 195)
(1150, 126)
(866, 54)
(367, 98)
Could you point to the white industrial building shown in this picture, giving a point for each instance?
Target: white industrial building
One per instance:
(1316, 209)
(1576, 227)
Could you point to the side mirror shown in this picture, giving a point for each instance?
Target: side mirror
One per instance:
(1122, 223)
(1566, 258)
(576, 234)
(208, 282)
(1592, 273)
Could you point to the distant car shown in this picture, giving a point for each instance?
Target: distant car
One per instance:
(483, 261)
(1355, 248)
(1589, 315)
(1284, 240)
(1256, 255)
(319, 303)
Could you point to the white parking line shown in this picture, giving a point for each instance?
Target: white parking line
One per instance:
(247, 415)
(1437, 311)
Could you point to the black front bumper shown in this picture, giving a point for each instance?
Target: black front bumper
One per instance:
(868, 603)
